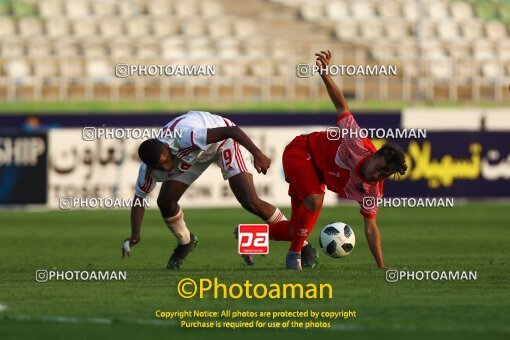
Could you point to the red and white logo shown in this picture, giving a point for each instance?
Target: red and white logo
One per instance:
(253, 239)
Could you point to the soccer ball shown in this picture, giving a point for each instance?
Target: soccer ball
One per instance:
(337, 239)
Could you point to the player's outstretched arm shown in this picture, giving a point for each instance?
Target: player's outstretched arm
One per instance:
(374, 241)
(137, 212)
(322, 61)
(261, 161)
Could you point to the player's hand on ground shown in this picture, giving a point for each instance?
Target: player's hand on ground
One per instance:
(261, 162)
(128, 243)
(323, 59)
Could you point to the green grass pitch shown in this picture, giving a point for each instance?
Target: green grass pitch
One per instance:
(470, 237)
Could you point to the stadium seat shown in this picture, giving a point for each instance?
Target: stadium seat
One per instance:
(163, 27)
(459, 49)
(482, 50)
(441, 69)
(39, 48)
(461, 11)
(111, 27)
(362, 9)
(147, 48)
(390, 9)
(410, 10)
(30, 27)
(472, 29)
(120, 49)
(491, 69)
(138, 26)
(98, 70)
(229, 70)
(210, 9)
(66, 48)
(7, 27)
(219, 29)
(437, 10)
(312, 11)
(244, 28)
(337, 10)
(279, 49)
(406, 49)
(185, 9)
(261, 69)
(12, 48)
(347, 31)
(104, 8)
(396, 29)
(448, 30)
(410, 70)
(199, 48)
(174, 48)
(228, 49)
(18, 70)
(503, 49)
(57, 27)
(94, 49)
(84, 27)
(426, 28)
(370, 30)
(71, 69)
(128, 9)
(46, 69)
(255, 49)
(161, 8)
(495, 30)
(50, 8)
(464, 70)
(77, 9)
(193, 28)
(433, 50)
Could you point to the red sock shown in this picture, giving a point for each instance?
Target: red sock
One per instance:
(303, 223)
(280, 231)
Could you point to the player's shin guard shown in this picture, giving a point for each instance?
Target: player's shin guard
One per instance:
(178, 227)
(303, 225)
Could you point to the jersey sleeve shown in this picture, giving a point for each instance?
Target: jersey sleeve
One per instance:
(368, 203)
(145, 182)
(346, 121)
(193, 138)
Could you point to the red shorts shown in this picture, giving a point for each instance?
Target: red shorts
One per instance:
(300, 171)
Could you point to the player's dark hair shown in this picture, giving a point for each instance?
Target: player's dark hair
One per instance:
(394, 158)
(150, 151)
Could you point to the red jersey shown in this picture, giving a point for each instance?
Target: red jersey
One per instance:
(338, 163)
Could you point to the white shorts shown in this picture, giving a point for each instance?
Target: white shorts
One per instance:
(232, 158)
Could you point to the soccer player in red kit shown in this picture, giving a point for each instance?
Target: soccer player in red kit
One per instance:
(351, 167)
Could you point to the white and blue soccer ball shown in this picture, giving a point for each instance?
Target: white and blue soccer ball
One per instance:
(337, 239)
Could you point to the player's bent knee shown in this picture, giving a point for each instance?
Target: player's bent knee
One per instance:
(313, 202)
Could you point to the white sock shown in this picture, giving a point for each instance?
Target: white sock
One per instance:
(178, 227)
(276, 217)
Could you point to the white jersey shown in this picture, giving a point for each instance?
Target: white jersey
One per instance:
(192, 146)
(192, 154)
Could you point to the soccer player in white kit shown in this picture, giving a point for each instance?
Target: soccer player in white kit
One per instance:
(178, 160)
